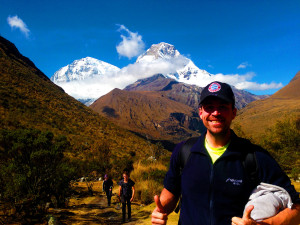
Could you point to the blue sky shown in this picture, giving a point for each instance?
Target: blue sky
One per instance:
(256, 39)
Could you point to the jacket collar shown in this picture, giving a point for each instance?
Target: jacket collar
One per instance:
(233, 148)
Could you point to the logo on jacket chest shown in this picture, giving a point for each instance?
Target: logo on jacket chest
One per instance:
(234, 181)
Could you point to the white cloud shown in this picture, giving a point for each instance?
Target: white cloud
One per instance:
(243, 82)
(131, 45)
(148, 68)
(258, 87)
(244, 65)
(16, 23)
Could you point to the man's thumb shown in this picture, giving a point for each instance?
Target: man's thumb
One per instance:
(158, 204)
(247, 212)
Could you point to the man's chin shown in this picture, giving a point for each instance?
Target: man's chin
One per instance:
(218, 131)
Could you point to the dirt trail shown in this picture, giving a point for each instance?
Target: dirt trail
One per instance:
(92, 210)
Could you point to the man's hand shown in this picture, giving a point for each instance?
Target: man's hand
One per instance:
(158, 214)
(246, 220)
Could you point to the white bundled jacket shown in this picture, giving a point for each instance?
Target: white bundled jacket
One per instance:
(268, 200)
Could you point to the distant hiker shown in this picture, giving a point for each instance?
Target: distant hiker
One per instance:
(213, 181)
(107, 187)
(126, 194)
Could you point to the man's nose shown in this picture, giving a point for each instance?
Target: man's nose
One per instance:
(216, 111)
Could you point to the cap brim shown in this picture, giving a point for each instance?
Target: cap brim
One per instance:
(216, 96)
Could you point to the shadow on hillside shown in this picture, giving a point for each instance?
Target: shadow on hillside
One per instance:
(169, 145)
(87, 206)
(101, 218)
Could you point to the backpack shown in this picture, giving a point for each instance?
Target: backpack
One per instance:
(249, 161)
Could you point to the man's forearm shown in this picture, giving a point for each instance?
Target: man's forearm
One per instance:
(285, 217)
(168, 201)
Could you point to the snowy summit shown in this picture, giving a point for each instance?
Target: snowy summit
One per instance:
(83, 69)
(186, 71)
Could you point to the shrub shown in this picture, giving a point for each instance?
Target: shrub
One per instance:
(146, 190)
(146, 197)
(154, 174)
(148, 180)
(32, 169)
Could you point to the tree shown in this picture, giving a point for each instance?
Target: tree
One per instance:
(283, 142)
(159, 150)
(33, 169)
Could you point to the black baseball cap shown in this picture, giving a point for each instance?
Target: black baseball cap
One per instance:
(219, 90)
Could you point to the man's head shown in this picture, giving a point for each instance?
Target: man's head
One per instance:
(126, 175)
(216, 108)
(219, 90)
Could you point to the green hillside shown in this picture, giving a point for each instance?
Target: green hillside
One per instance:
(30, 100)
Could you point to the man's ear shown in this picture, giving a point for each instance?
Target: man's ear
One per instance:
(200, 112)
(234, 113)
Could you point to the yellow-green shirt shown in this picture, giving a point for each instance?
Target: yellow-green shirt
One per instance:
(215, 153)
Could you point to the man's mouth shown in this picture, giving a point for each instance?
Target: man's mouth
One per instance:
(216, 121)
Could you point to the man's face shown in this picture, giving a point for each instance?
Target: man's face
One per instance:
(125, 176)
(217, 115)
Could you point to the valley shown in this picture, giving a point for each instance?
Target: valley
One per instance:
(135, 127)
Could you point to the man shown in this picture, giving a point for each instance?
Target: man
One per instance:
(107, 187)
(126, 194)
(213, 184)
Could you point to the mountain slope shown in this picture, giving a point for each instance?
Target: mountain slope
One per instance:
(260, 115)
(291, 91)
(185, 93)
(30, 100)
(149, 113)
(158, 107)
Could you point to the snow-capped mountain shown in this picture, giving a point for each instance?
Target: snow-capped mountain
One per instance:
(186, 72)
(82, 78)
(83, 69)
(161, 50)
(88, 79)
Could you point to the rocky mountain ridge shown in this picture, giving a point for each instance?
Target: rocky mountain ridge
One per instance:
(185, 93)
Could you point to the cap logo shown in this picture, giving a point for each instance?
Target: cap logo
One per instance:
(214, 87)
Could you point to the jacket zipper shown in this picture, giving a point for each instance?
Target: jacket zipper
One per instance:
(211, 194)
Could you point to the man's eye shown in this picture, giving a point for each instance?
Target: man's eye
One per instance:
(209, 108)
(223, 108)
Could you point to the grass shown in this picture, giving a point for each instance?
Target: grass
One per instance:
(172, 218)
(148, 178)
(296, 185)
